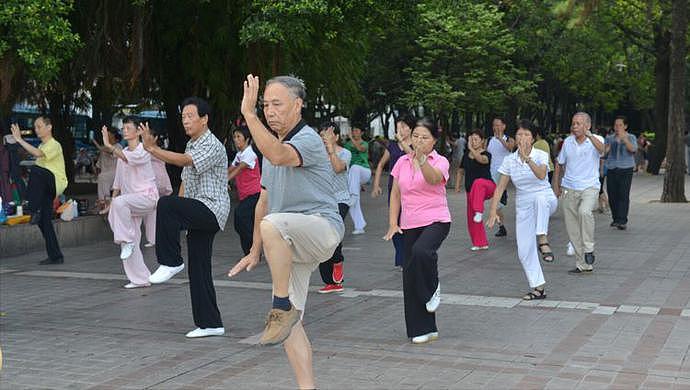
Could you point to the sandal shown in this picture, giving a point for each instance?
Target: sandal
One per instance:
(546, 256)
(537, 293)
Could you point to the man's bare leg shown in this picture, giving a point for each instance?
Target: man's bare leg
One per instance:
(298, 350)
(279, 258)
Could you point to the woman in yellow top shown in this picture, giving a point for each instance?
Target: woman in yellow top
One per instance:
(46, 181)
(541, 144)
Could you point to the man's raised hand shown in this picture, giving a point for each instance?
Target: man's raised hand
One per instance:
(251, 95)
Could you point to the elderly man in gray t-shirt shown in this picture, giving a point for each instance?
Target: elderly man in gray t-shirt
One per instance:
(296, 217)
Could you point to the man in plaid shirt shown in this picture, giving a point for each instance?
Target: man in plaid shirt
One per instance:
(201, 207)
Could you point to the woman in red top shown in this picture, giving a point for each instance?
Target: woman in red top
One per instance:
(246, 172)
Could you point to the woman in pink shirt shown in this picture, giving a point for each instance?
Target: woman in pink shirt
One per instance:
(419, 187)
(134, 196)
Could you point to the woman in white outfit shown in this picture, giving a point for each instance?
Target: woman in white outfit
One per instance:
(527, 168)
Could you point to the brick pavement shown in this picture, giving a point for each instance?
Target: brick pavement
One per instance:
(626, 326)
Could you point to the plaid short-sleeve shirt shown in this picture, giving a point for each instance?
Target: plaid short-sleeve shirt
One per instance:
(206, 180)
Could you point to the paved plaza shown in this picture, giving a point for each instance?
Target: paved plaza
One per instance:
(73, 326)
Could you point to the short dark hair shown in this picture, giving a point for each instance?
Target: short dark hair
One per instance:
(500, 118)
(45, 118)
(133, 119)
(325, 125)
(244, 130)
(202, 106)
(478, 132)
(526, 124)
(429, 125)
(407, 119)
(623, 118)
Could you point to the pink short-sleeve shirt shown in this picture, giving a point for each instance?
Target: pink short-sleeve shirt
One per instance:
(422, 203)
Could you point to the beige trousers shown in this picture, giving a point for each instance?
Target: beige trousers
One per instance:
(579, 221)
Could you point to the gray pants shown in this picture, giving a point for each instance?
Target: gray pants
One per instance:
(579, 221)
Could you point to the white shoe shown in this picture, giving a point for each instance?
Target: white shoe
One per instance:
(149, 244)
(435, 300)
(358, 231)
(479, 248)
(571, 249)
(164, 273)
(425, 338)
(199, 332)
(132, 285)
(478, 217)
(126, 249)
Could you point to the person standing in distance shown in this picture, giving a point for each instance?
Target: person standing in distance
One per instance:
(296, 219)
(579, 188)
(620, 162)
(499, 146)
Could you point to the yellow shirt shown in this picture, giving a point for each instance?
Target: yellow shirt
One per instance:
(54, 162)
(543, 145)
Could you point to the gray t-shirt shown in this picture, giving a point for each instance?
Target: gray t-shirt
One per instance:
(340, 185)
(308, 188)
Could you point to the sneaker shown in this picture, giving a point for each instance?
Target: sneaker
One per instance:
(435, 300)
(502, 232)
(134, 285)
(205, 332)
(589, 258)
(578, 271)
(478, 217)
(479, 248)
(331, 288)
(149, 245)
(571, 249)
(425, 338)
(126, 250)
(338, 273)
(48, 261)
(279, 325)
(164, 273)
(357, 232)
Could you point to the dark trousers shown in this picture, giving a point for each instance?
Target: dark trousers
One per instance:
(174, 214)
(326, 268)
(244, 221)
(618, 187)
(40, 194)
(420, 275)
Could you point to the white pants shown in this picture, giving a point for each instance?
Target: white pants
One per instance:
(532, 214)
(357, 176)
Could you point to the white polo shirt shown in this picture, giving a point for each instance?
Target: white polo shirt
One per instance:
(498, 153)
(522, 176)
(582, 163)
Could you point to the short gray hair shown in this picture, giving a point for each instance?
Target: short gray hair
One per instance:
(584, 114)
(294, 85)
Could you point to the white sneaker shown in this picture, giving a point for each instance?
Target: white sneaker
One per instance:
(571, 249)
(478, 217)
(126, 250)
(425, 338)
(205, 332)
(357, 231)
(133, 285)
(435, 300)
(479, 248)
(164, 273)
(149, 244)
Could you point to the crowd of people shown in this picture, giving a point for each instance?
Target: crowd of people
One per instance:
(292, 202)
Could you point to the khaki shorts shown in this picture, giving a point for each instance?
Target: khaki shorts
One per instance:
(313, 240)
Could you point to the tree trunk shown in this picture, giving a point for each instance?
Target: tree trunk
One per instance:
(674, 180)
(60, 115)
(662, 80)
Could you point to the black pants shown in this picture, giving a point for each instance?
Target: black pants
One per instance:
(40, 194)
(326, 268)
(618, 187)
(174, 214)
(244, 221)
(420, 275)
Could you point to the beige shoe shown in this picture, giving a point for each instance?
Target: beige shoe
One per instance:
(279, 325)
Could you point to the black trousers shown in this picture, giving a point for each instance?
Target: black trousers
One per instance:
(326, 268)
(40, 194)
(618, 187)
(420, 275)
(244, 221)
(174, 214)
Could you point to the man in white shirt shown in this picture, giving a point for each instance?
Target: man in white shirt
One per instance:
(579, 157)
(499, 146)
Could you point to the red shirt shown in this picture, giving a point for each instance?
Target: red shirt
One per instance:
(248, 181)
